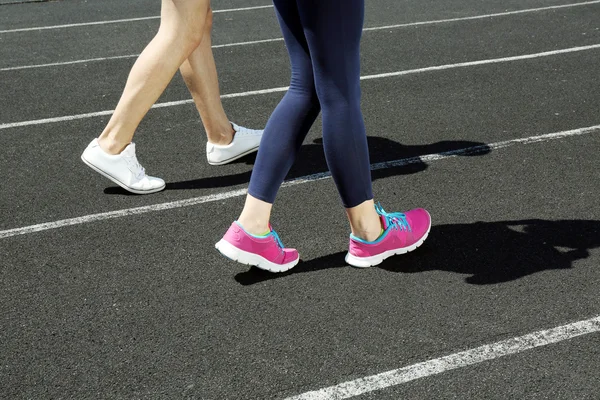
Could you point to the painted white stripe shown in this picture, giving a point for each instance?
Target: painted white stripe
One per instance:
(474, 17)
(218, 46)
(61, 63)
(254, 42)
(483, 62)
(298, 181)
(109, 112)
(529, 10)
(99, 59)
(284, 88)
(463, 359)
(118, 21)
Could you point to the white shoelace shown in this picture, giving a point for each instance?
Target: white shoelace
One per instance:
(134, 166)
(240, 130)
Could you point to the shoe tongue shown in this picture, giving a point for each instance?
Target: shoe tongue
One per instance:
(384, 222)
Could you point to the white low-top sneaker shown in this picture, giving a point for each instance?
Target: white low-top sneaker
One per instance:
(123, 169)
(245, 141)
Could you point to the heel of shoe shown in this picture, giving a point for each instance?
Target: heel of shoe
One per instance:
(362, 262)
(228, 250)
(246, 258)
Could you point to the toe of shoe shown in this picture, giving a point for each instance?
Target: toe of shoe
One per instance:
(150, 183)
(156, 183)
(420, 221)
(290, 255)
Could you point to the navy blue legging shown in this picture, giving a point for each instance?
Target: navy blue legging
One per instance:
(323, 41)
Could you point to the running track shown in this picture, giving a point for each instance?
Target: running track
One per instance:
(486, 113)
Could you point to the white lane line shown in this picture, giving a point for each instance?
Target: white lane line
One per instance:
(158, 105)
(474, 17)
(61, 63)
(284, 88)
(298, 181)
(118, 21)
(99, 59)
(254, 42)
(483, 62)
(463, 359)
(529, 10)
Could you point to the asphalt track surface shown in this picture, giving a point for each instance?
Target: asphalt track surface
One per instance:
(138, 304)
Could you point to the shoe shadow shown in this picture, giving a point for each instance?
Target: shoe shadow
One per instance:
(311, 160)
(487, 252)
(399, 160)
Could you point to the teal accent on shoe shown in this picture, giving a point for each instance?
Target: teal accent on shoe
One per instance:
(272, 233)
(379, 239)
(249, 234)
(395, 220)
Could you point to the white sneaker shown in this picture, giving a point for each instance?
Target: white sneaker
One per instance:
(245, 141)
(123, 169)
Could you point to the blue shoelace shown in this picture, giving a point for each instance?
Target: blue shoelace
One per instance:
(276, 236)
(395, 220)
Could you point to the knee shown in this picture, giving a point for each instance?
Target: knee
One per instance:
(340, 104)
(338, 98)
(187, 24)
(303, 84)
(305, 93)
(196, 28)
(186, 38)
(190, 36)
(194, 37)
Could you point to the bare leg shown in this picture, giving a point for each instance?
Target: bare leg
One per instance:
(200, 75)
(364, 221)
(181, 30)
(255, 216)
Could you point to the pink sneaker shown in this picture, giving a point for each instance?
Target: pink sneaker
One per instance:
(265, 252)
(402, 233)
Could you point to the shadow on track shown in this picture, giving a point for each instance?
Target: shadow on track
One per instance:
(489, 252)
(311, 160)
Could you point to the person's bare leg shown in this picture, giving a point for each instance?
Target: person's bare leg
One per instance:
(364, 221)
(200, 75)
(181, 30)
(255, 216)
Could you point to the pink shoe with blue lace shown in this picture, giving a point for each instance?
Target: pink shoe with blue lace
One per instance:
(403, 232)
(265, 252)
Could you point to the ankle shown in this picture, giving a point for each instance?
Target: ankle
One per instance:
(369, 234)
(367, 226)
(254, 227)
(222, 137)
(111, 146)
(364, 221)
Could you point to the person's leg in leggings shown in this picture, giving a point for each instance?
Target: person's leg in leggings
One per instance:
(181, 30)
(287, 127)
(332, 29)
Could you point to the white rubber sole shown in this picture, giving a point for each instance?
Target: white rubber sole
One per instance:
(115, 180)
(366, 262)
(241, 256)
(236, 157)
